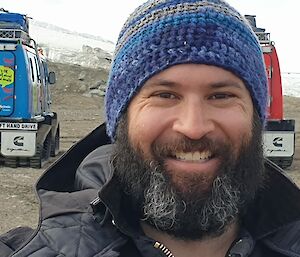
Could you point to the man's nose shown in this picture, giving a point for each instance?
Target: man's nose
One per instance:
(194, 121)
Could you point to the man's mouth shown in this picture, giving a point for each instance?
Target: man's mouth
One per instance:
(193, 156)
(195, 161)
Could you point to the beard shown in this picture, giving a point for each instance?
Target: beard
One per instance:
(190, 206)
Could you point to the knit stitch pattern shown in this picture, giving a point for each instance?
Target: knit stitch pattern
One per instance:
(163, 33)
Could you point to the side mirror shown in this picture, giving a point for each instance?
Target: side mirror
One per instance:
(51, 77)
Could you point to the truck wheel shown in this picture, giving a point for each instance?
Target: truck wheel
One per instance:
(42, 154)
(23, 162)
(286, 163)
(282, 162)
(55, 144)
(11, 162)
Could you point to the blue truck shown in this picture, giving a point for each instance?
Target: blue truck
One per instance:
(29, 130)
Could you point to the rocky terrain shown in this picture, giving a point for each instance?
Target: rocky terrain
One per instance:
(78, 100)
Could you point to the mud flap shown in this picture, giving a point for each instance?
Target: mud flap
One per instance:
(279, 142)
(18, 143)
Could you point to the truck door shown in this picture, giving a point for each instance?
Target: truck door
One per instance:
(7, 83)
(36, 84)
(274, 81)
(268, 63)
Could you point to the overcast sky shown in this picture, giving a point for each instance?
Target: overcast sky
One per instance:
(105, 18)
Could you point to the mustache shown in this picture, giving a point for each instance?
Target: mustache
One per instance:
(185, 144)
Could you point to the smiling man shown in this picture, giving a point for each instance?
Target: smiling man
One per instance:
(202, 157)
(178, 168)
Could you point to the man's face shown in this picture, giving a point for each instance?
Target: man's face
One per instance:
(190, 101)
(186, 148)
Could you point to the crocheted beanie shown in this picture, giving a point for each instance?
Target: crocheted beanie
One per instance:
(163, 33)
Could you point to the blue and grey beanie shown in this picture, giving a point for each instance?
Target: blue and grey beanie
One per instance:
(163, 33)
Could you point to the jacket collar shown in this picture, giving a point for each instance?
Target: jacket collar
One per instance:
(118, 204)
(277, 205)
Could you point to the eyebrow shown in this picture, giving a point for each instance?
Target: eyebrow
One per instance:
(215, 85)
(227, 83)
(162, 82)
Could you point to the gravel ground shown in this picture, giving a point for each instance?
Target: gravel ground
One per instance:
(19, 207)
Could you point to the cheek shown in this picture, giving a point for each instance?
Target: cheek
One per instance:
(237, 127)
(145, 127)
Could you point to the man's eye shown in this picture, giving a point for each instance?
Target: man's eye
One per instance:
(166, 95)
(221, 96)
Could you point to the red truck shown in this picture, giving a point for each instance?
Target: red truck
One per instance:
(279, 135)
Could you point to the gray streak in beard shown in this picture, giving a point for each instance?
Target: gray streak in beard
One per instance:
(222, 205)
(162, 208)
(160, 203)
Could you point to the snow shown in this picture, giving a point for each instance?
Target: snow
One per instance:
(291, 84)
(65, 46)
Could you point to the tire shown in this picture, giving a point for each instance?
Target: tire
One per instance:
(55, 144)
(23, 161)
(11, 162)
(286, 164)
(42, 154)
(283, 162)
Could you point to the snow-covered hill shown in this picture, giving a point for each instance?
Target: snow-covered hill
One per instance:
(65, 46)
(291, 84)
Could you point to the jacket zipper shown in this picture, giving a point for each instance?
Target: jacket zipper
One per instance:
(164, 249)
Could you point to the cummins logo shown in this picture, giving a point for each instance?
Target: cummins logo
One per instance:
(277, 141)
(19, 141)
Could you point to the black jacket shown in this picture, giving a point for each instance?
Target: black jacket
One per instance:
(71, 226)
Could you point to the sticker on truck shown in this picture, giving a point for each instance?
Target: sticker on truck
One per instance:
(18, 126)
(278, 144)
(18, 143)
(7, 83)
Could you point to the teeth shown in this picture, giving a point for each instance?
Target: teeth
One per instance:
(193, 156)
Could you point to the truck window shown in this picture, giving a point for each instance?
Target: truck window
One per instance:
(33, 67)
(31, 70)
(37, 69)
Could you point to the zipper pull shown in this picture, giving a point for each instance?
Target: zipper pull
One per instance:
(164, 249)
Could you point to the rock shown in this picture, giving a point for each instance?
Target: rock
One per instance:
(87, 57)
(98, 83)
(94, 93)
(87, 49)
(81, 76)
(79, 79)
(82, 89)
(102, 88)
